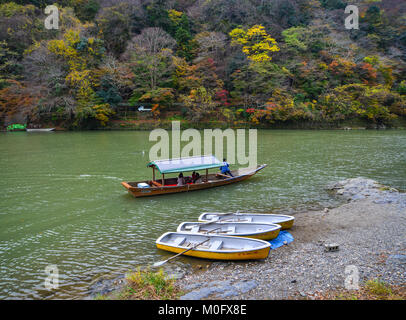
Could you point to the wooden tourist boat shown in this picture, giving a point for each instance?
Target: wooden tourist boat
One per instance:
(236, 229)
(147, 188)
(214, 246)
(286, 222)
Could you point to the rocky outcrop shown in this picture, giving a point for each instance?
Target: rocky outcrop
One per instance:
(361, 188)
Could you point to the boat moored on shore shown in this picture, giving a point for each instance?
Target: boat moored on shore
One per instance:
(285, 221)
(214, 246)
(40, 130)
(235, 229)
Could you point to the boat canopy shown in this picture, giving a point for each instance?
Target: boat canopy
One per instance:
(186, 164)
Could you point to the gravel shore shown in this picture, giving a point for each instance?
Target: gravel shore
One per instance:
(371, 233)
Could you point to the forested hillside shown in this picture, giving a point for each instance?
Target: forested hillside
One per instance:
(251, 62)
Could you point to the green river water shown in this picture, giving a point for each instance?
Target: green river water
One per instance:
(61, 201)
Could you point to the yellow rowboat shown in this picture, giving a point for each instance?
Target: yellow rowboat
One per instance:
(286, 222)
(217, 247)
(235, 229)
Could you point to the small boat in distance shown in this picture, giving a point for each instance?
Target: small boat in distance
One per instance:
(40, 130)
(286, 222)
(147, 188)
(236, 229)
(214, 246)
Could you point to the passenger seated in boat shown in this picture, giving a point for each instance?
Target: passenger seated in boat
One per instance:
(181, 180)
(197, 178)
(194, 176)
(225, 168)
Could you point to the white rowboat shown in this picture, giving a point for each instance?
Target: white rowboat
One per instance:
(41, 130)
(284, 221)
(235, 229)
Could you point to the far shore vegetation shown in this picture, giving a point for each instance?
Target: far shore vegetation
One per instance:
(219, 63)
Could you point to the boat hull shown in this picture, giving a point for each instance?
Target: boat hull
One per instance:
(245, 255)
(234, 248)
(41, 130)
(239, 229)
(285, 221)
(214, 181)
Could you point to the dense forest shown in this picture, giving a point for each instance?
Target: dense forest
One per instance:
(253, 62)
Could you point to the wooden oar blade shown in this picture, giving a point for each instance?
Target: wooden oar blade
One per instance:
(159, 263)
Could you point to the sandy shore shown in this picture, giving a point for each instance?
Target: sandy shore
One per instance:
(371, 233)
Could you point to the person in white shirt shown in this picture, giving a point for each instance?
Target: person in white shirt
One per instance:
(181, 180)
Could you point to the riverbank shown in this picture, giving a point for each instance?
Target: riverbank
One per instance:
(166, 123)
(369, 230)
(149, 123)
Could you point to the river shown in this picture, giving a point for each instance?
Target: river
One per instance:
(61, 201)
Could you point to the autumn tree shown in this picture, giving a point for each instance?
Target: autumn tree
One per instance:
(255, 42)
(114, 25)
(17, 101)
(80, 56)
(10, 67)
(20, 25)
(151, 58)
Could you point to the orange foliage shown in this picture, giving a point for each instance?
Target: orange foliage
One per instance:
(17, 98)
(367, 72)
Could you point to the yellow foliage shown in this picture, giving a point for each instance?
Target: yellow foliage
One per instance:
(256, 43)
(175, 16)
(79, 54)
(103, 111)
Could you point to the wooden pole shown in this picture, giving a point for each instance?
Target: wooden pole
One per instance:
(163, 179)
(153, 173)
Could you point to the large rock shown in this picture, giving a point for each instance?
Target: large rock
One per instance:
(361, 188)
(222, 289)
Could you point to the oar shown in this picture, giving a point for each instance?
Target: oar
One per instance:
(212, 230)
(222, 214)
(160, 263)
(214, 221)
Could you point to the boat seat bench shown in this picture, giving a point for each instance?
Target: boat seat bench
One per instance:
(157, 184)
(216, 245)
(231, 229)
(179, 240)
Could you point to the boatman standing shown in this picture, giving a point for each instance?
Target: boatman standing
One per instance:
(225, 168)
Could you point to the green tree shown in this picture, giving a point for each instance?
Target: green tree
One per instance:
(113, 24)
(10, 67)
(86, 10)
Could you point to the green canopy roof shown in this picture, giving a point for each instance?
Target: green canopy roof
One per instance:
(186, 164)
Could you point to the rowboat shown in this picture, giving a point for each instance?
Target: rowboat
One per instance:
(147, 188)
(214, 246)
(235, 229)
(41, 130)
(286, 222)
